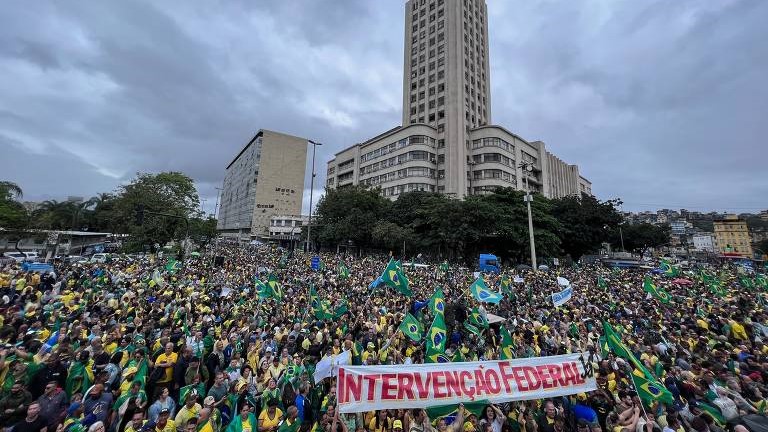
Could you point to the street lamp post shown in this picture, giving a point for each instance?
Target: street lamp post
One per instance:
(471, 164)
(528, 167)
(311, 193)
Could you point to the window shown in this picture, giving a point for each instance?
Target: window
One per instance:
(431, 116)
(441, 101)
(440, 128)
(431, 91)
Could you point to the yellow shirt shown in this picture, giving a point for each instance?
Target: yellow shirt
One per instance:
(738, 331)
(169, 370)
(170, 426)
(267, 422)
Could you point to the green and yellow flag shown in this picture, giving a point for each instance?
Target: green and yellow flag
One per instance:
(436, 340)
(651, 391)
(668, 269)
(477, 319)
(437, 302)
(343, 270)
(276, 291)
(507, 344)
(412, 328)
(658, 293)
(482, 293)
(394, 277)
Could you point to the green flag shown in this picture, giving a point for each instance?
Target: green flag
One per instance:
(393, 276)
(482, 293)
(658, 293)
(477, 319)
(620, 349)
(444, 267)
(507, 344)
(275, 290)
(437, 302)
(506, 286)
(443, 411)
(746, 282)
(261, 289)
(715, 412)
(436, 339)
(343, 270)
(650, 391)
(172, 265)
(412, 328)
(190, 390)
(668, 269)
(341, 309)
(472, 328)
(601, 283)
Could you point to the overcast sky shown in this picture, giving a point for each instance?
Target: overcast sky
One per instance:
(662, 103)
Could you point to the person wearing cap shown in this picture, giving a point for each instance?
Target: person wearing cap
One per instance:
(164, 422)
(163, 401)
(189, 410)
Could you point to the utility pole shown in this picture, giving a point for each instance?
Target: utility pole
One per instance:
(527, 168)
(311, 193)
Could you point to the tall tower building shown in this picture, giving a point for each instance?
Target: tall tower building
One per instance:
(447, 143)
(446, 78)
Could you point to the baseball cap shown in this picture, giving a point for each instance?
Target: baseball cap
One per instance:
(209, 401)
(397, 424)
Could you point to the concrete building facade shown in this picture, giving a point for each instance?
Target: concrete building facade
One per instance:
(732, 236)
(447, 143)
(704, 242)
(265, 179)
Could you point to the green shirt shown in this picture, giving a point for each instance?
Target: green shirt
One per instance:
(293, 427)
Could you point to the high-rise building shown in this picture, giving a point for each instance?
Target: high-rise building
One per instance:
(265, 179)
(447, 142)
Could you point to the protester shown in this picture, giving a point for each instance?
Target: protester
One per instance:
(238, 360)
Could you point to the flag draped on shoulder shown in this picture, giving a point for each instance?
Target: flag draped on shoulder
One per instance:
(658, 293)
(394, 277)
(482, 293)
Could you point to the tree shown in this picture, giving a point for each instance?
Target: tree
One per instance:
(349, 213)
(390, 235)
(638, 238)
(585, 223)
(12, 212)
(167, 192)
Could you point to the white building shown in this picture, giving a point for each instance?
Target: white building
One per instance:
(447, 143)
(704, 242)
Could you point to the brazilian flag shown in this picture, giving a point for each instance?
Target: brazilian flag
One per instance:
(477, 319)
(668, 269)
(437, 302)
(482, 293)
(412, 328)
(275, 290)
(656, 292)
(394, 277)
(651, 391)
(449, 412)
(507, 344)
(506, 286)
(436, 340)
(343, 270)
(261, 289)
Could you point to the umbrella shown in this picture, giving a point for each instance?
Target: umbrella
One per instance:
(543, 267)
(681, 281)
(195, 254)
(522, 267)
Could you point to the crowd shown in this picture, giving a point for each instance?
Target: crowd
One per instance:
(146, 344)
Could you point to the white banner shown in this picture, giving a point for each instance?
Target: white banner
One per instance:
(368, 388)
(559, 298)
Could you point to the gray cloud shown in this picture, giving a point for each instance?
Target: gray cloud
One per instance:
(660, 103)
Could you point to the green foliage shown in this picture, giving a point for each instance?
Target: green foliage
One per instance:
(168, 192)
(12, 212)
(640, 237)
(349, 214)
(585, 223)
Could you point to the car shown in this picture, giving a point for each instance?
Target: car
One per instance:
(99, 258)
(32, 256)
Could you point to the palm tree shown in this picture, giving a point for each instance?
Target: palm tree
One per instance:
(10, 191)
